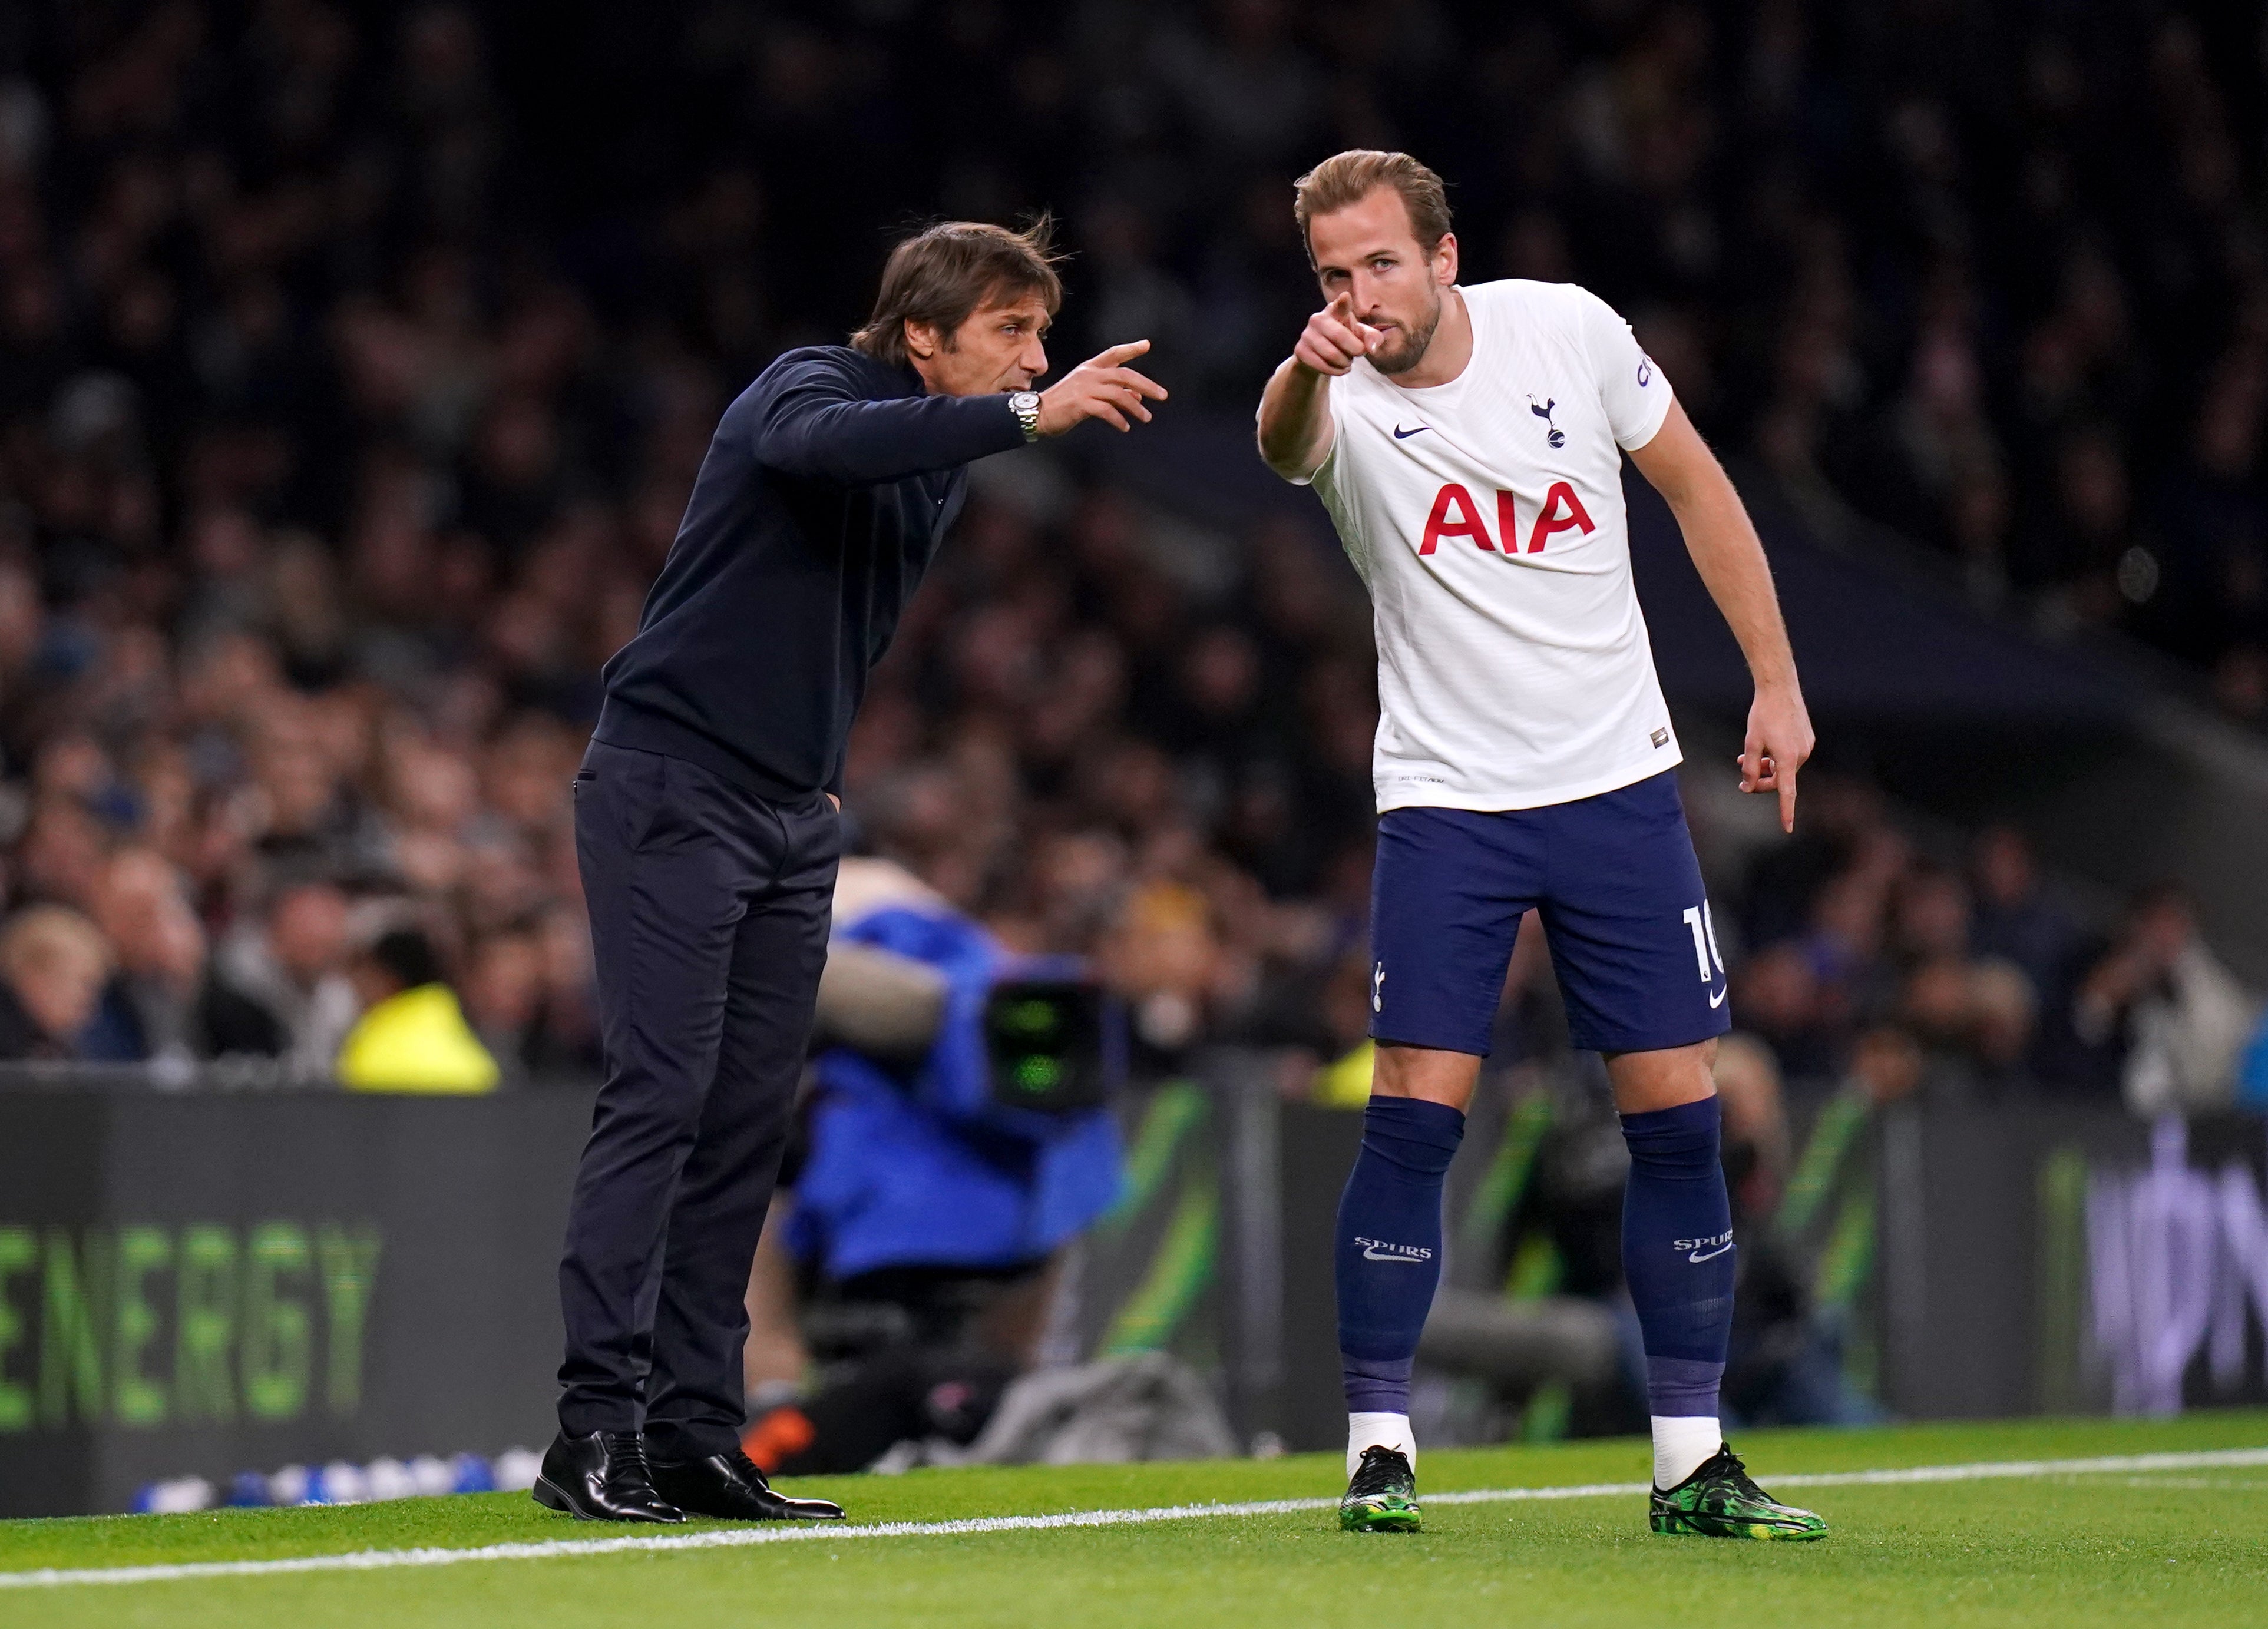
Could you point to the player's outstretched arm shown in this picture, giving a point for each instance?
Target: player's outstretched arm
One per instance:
(1731, 560)
(1101, 387)
(1295, 415)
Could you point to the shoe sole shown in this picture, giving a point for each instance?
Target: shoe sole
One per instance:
(1680, 1525)
(1394, 1518)
(552, 1497)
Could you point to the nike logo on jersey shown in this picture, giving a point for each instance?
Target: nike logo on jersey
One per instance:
(1379, 1249)
(1697, 1257)
(1717, 1000)
(1401, 434)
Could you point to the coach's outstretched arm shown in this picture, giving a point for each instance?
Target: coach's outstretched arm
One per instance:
(1731, 560)
(819, 420)
(1295, 414)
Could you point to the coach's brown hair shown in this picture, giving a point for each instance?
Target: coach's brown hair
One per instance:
(1350, 176)
(943, 273)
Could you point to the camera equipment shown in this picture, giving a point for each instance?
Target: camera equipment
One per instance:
(1049, 1044)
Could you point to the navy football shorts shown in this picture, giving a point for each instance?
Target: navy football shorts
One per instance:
(1622, 907)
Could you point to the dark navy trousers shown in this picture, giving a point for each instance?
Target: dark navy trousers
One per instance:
(709, 908)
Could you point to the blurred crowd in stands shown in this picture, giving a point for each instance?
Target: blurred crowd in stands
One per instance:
(1866, 958)
(356, 361)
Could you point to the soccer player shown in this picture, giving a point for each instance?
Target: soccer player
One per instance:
(707, 830)
(1467, 444)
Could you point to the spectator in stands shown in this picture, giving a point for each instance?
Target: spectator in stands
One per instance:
(2164, 1008)
(1757, 1145)
(412, 1035)
(1886, 1066)
(2014, 918)
(289, 963)
(52, 965)
(164, 1002)
(1777, 997)
(503, 995)
(1977, 1012)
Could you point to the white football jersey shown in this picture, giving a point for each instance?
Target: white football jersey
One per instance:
(1486, 517)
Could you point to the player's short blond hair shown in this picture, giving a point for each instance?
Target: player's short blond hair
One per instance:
(1352, 176)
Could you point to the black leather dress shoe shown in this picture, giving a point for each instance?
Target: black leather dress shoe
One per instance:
(601, 1478)
(730, 1486)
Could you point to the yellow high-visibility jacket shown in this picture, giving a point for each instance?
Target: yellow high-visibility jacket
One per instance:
(1346, 1083)
(416, 1041)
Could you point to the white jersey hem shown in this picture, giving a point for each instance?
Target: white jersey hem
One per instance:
(1486, 800)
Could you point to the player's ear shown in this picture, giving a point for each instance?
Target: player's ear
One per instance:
(1445, 259)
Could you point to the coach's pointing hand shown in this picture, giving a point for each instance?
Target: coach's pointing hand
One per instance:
(1101, 387)
(1333, 338)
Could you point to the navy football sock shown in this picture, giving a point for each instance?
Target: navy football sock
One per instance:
(1389, 1252)
(1677, 1254)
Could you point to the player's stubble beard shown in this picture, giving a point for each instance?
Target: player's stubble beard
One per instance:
(1412, 351)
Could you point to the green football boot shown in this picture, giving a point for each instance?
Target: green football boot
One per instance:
(1720, 1502)
(1382, 1498)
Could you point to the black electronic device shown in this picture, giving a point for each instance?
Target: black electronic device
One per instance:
(1047, 1041)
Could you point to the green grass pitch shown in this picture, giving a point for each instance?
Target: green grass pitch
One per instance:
(2187, 1546)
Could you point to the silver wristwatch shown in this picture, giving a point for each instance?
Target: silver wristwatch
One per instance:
(1025, 404)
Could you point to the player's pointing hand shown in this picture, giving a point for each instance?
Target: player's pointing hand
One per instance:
(1101, 387)
(1778, 740)
(1333, 338)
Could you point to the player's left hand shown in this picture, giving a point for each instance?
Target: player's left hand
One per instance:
(1780, 739)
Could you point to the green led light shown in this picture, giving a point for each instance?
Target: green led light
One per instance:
(1032, 1017)
(1037, 1074)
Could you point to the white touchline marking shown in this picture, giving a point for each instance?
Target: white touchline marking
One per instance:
(2251, 1484)
(723, 1538)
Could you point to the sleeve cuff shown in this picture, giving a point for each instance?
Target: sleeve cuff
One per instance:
(1011, 429)
(1638, 439)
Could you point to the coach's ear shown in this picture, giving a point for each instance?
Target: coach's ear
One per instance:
(922, 339)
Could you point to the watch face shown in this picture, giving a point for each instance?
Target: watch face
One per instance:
(1024, 400)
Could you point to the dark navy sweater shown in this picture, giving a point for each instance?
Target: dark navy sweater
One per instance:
(825, 491)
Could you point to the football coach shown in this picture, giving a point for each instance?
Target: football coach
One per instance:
(707, 828)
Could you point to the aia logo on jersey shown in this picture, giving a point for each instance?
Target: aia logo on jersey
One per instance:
(1455, 515)
(1552, 433)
